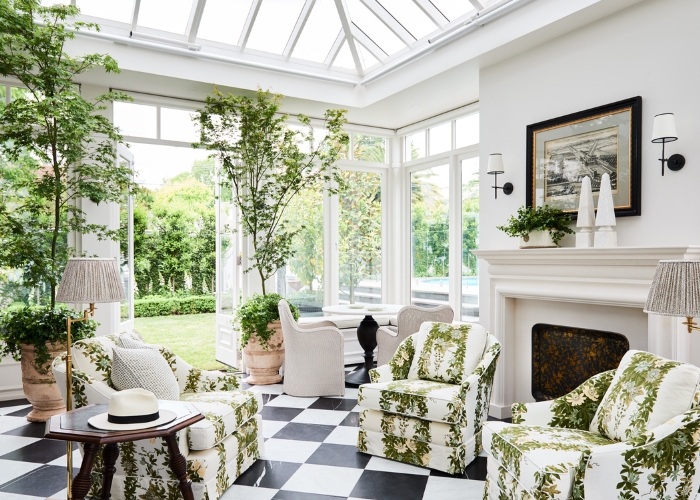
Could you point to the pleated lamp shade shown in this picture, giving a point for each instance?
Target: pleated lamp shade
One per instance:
(91, 281)
(675, 290)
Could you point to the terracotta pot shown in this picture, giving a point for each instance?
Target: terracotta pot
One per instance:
(537, 239)
(41, 389)
(264, 365)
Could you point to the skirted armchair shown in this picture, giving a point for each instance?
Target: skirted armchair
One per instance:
(623, 434)
(428, 405)
(218, 449)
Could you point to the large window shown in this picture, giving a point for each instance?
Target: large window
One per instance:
(470, 238)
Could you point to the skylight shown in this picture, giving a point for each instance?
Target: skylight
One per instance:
(274, 24)
(375, 29)
(452, 9)
(223, 20)
(165, 15)
(410, 16)
(320, 32)
(115, 11)
(344, 58)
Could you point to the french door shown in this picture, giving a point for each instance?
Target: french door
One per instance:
(125, 158)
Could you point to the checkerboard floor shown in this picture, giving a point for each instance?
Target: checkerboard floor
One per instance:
(310, 454)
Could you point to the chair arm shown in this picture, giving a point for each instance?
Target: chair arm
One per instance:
(86, 389)
(400, 364)
(539, 413)
(317, 324)
(381, 374)
(210, 381)
(392, 331)
(662, 461)
(476, 388)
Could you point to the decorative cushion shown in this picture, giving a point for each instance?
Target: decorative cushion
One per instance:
(129, 343)
(647, 391)
(93, 357)
(447, 353)
(144, 368)
(424, 399)
(224, 413)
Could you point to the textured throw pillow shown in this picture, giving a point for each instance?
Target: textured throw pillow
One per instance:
(647, 391)
(447, 353)
(129, 343)
(145, 369)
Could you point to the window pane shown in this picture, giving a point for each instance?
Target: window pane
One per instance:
(3, 97)
(319, 33)
(274, 25)
(228, 266)
(344, 58)
(415, 146)
(223, 20)
(301, 280)
(360, 239)
(440, 138)
(116, 11)
(470, 239)
(410, 16)
(375, 29)
(177, 125)
(165, 15)
(430, 241)
(452, 9)
(136, 120)
(368, 60)
(467, 130)
(320, 134)
(369, 148)
(126, 222)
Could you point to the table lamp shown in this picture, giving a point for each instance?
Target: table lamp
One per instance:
(86, 281)
(675, 291)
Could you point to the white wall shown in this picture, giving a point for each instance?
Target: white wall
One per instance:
(649, 50)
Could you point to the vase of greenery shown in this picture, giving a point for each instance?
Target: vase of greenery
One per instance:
(266, 163)
(35, 336)
(56, 148)
(541, 227)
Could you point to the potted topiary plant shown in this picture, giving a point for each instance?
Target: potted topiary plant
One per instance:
(34, 336)
(541, 227)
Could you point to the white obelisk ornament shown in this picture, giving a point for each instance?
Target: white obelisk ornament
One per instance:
(606, 236)
(586, 215)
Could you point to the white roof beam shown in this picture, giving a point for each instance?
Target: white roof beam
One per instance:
(432, 12)
(389, 21)
(335, 49)
(135, 15)
(345, 21)
(477, 5)
(369, 44)
(298, 28)
(195, 19)
(248, 26)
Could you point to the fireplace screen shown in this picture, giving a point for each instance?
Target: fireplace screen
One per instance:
(564, 357)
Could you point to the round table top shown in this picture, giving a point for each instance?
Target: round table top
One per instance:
(388, 309)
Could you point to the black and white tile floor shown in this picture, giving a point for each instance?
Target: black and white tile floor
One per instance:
(310, 454)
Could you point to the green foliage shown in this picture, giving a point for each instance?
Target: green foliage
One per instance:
(254, 315)
(305, 217)
(267, 166)
(168, 306)
(430, 223)
(36, 326)
(58, 147)
(369, 148)
(542, 218)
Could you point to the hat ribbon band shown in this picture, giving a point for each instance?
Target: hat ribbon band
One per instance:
(133, 419)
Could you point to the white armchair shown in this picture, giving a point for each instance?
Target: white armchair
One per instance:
(314, 362)
(409, 320)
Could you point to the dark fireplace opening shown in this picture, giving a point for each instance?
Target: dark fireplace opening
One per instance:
(564, 357)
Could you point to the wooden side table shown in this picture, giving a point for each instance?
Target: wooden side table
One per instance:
(73, 426)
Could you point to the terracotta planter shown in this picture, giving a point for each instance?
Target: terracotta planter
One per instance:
(264, 365)
(537, 239)
(41, 389)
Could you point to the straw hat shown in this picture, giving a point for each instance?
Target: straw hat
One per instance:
(131, 410)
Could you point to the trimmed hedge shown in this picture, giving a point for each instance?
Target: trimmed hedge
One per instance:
(165, 306)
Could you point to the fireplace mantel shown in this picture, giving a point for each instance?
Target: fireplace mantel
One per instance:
(519, 279)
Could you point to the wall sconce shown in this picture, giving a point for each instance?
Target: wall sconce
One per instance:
(495, 168)
(665, 131)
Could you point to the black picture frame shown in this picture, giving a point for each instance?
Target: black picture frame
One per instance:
(633, 206)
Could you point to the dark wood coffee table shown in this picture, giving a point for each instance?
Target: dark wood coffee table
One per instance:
(73, 426)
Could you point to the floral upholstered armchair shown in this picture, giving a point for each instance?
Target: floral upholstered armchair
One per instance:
(624, 434)
(428, 405)
(218, 449)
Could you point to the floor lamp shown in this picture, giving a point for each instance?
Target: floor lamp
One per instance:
(85, 281)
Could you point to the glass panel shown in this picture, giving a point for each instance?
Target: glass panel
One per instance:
(121, 11)
(319, 33)
(274, 24)
(17, 92)
(368, 60)
(301, 280)
(430, 240)
(136, 120)
(228, 265)
(440, 138)
(165, 15)
(369, 148)
(126, 223)
(470, 239)
(371, 26)
(410, 16)
(3, 97)
(344, 58)
(360, 239)
(223, 20)
(452, 9)
(415, 146)
(177, 125)
(467, 130)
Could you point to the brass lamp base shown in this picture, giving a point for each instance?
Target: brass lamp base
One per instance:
(692, 325)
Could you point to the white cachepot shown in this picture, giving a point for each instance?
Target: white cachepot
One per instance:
(537, 239)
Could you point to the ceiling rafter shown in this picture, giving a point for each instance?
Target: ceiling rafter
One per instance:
(368, 43)
(345, 21)
(432, 12)
(389, 21)
(477, 5)
(135, 15)
(335, 49)
(248, 26)
(195, 19)
(298, 28)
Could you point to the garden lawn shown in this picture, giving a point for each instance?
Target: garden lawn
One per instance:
(190, 336)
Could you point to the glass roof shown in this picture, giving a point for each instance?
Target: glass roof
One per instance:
(308, 32)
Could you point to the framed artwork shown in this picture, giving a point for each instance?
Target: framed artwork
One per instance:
(562, 151)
